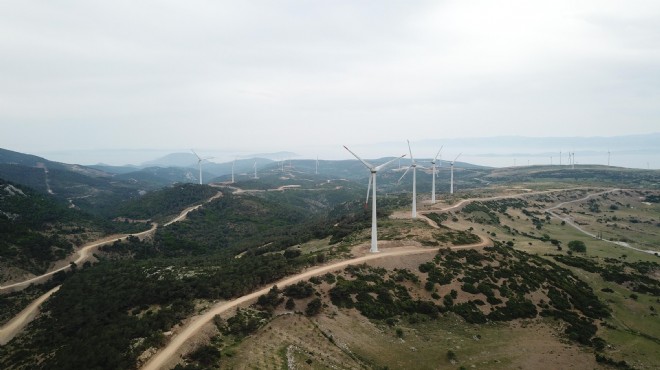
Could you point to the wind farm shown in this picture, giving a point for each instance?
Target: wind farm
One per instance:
(232, 185)
(288, 215)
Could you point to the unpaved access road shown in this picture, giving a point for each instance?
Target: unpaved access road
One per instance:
(570, 222)
(86, 251)
(83, 253)
(182, 216)
(162, 358)
(15, 325)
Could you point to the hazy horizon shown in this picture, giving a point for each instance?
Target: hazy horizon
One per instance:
(637, 151)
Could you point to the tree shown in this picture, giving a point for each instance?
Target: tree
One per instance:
(290, 304)
(313, 307)
(577, 246)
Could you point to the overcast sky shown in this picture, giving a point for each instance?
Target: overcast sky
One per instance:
(297, 75)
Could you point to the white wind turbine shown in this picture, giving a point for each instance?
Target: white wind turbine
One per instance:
(199, 164)
(573, 160)
(434, 174)
(255, 170)
(451, 183)
(413, 165)
(232, 170)
(372, 179)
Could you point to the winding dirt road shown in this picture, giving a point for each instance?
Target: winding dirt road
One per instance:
(570, 222)
(161, 359)
(182, 216)
(83, 253)
(15, 325)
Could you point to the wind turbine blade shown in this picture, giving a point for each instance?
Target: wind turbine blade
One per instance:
(436, 156)
(459, 154)
(377, 168)
(369, 165)
(371, 177)
(410, 151)
(198, 158)
(404, 174)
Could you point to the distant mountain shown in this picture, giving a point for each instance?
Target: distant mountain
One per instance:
(16, 158)
(159, 176)
(86, 188)
(114, 169)
(189, 160)
(277, 156)
(173, 160)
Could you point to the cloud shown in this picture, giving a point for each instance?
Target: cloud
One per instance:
(89, 74)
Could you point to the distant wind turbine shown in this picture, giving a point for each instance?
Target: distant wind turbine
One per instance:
(434, 174)
(451, 183)
(232, 170)
(573, 160)
(413, 165)
(199, 164)
(372, 181)
(255, 170)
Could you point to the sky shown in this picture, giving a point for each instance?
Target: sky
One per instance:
(310, 76)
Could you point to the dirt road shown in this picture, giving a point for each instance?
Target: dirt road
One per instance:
(182, 216)
(83, 254)
(15, 325)
(569, 221)
(161, 359)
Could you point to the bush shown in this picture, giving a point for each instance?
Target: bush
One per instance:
(313, 307)
(577, 246)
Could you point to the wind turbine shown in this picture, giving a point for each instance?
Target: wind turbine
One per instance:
(413, 165)
(255, 170)
(573, 160)
(372, 179)
(232, 170)
(451, 183)
(199, 164)
(434, 174)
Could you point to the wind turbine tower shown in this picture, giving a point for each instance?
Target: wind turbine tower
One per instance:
(255, 170)
(573, 160)
(413, 165)
(372, 181)
(434, 174)
(199, 164)
(232, 170)
(451, 182)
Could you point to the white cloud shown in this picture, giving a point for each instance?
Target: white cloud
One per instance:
(94, 74)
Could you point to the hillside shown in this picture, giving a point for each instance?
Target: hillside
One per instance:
(38, 229)
(532, 289)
